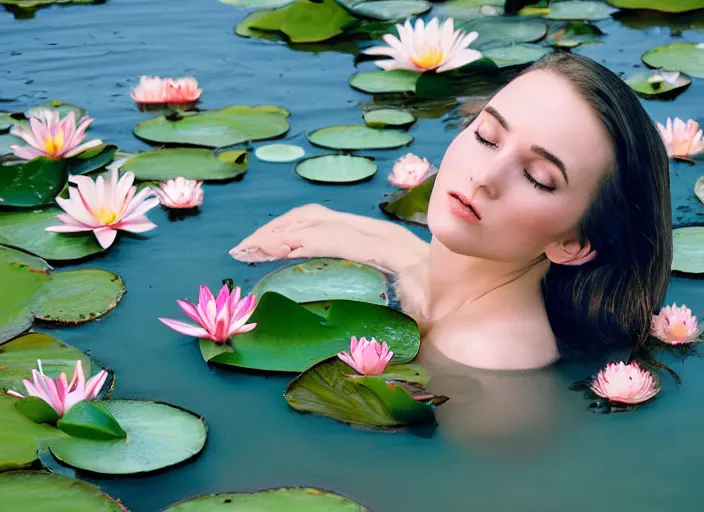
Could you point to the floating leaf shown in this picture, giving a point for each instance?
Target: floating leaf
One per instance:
(279, 153)
(642, 86)
(325, 279)
(289, 338)
(501, 31)
(688, 246)
(158, 436)
(470, 9)
(515, 55)
(699, 189)
(216, 128)
(19, 436)
(272, 500)
(573, 34)
(303, 21)
(31, 184)
(336, 168)
(19, 357)
(584, 10)
(91, 420)
(333, 389)
(389, 118)
(190, 163)
(395, 81)
(7, 140)
(92, 160)
(28, 491)
(37, 409)
(407, 372)
(685, 57)
(62, 108)
(412, 205)
(353, 137)
(390, 10)
(258, 4)
(659, 5)
(26, 230)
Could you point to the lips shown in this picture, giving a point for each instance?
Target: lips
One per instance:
(466, 203)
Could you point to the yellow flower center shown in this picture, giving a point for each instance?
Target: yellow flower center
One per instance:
(428, 59)
(55, 144)
(105, 216)
(678, 330)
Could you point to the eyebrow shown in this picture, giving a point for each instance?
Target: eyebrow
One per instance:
(547, 155)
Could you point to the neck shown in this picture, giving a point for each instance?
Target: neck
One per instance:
(455, 280)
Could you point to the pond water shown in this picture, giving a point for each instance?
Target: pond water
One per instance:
(503, 442)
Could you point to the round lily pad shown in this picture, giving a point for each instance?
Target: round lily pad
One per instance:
(411, 206)
(325, 279)
(358, 137)
(584, 10)
(391, 10)
(31, 184)
(688, 245)
(232, 125)
(62, 108)
(658, 5)
(19, 357)
(33, 490)
(395, 81)
(499, 31)
(573, 34)
(336, 168)
(470, 9)
(158, 436)
(274, 346)
(641, 84)
(516, 55)
(389, 118)
(685, 57)
(279, 153)
(7, 140)
(258, 4)
(190, 163)
(92, 159)
(699, 189)
(26, 230)
(272, 500)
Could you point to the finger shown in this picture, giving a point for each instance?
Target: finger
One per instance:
(257, 255)
(274, 226)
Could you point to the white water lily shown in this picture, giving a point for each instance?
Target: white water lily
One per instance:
(669, 77)
(426, 47)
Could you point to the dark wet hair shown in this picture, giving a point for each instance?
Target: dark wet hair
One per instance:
(609, 302)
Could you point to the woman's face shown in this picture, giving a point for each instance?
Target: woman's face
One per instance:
(521, 176)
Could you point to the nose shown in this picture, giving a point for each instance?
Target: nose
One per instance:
(489, 175)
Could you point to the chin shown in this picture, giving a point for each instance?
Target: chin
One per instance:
(451, 232)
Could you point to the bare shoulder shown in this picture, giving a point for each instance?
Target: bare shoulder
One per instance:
(506, 340)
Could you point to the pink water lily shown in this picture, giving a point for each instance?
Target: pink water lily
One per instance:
(60, 394)
(105, 206)
(367, 357)
(625, 383)
(409, 171)
(682, 140)
(218, 318)
(50, 136)
(154, 90)
(426, 47)
(180, 193)
(675, 325)
(150, 90)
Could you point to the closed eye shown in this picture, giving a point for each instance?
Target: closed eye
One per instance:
(483, 141)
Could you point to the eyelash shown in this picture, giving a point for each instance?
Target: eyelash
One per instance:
(530, 179)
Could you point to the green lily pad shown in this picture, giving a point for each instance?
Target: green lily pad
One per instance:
(19, 357)
(471, 9)
(688, 250)
(92, 159)
(91, 420)
(336, 168)
(501, 31)
(390, 10)
(515, 55)
(272, 500)
(258, 4)
(62, 108)
(26, 230)
(28, 491)
(275, 346)
(375, 82)
(685, 57)
(158, 436)
(19, 436)
(640, 84)
(333, 389)
(279, 153)
(37, 410)
(7, 140)
(658, 5)
(584, 10)
(325, 279)
(389, 118)
(573, 34)
(303, 21)
(190, 163)
(699, 189)
(31, 184)
(216, 128)
(353, 137)
(412, 205)
(6, 121)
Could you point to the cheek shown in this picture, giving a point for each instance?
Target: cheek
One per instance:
(536, 215)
